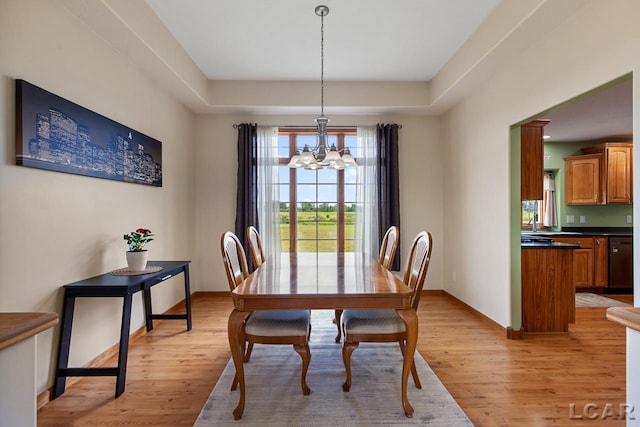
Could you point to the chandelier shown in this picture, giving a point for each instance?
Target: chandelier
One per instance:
(319, 156)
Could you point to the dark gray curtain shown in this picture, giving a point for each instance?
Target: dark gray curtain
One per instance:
(247, 198)
(389, 189)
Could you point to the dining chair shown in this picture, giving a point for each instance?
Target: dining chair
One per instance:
(385, 325)
(388, 249)
(255, 246)
(266, 326)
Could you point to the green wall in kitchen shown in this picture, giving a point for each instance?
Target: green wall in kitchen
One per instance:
(595, 216)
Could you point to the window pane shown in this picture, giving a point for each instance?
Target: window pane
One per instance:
(349, 194)
(327, 224)
(283, 146)
(283, 174)
(350, 175)
(327, 245)
(327, 193)
(284, 193)
(349, 225)
(306, 221)
(349, 245)
(284, 219)
(306, 193)
(305, 176)
(327, 176)
(284, 246)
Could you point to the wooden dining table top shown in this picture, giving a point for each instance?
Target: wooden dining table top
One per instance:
(321, 280)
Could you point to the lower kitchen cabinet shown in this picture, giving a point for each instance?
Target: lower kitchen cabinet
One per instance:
(590, 262)
(601, 261)
(582, 260)
(548, 293)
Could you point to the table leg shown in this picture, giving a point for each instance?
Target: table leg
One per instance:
(148, 310)
(124, 344)
(408, 315)
(187, 296)
(60, 381)
(236, 343)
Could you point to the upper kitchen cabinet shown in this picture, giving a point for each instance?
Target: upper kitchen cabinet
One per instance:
(616, 171)
(531, 159)
(582, 180)
(603, 175)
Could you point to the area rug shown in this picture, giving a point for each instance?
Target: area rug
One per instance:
(274, 396)
(586, 299)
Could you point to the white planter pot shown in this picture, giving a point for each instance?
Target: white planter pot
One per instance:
(137, 261)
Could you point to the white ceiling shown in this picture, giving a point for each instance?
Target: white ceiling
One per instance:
(603, 113)
(407, 42)
(365, 40)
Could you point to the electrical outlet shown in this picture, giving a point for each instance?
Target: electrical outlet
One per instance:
(583, 219)
(571, 219)
(629, 220)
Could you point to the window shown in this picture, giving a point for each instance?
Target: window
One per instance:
(529, 209)
(317, 207)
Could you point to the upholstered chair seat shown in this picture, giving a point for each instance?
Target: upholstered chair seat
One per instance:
(279, 323)
(373, 322)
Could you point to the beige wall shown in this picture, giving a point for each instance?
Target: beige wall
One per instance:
(596, 44)
(57, 228)
(455, 173)
(420, 152)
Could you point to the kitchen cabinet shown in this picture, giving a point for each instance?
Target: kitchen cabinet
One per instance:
(603, 175)
(548, 295)
(583, 184)
(531, 159)
(590, 262)
(616, 171)
(600, 261)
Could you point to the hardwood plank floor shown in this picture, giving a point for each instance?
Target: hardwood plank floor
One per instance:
(497, 382)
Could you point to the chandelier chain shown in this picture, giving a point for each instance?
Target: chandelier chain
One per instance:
(322, 64)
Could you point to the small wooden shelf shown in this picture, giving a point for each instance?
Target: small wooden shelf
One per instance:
(15, 327)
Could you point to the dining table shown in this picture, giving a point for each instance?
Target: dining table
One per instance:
(320, 281)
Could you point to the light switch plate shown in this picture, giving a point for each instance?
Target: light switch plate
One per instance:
(570, 219)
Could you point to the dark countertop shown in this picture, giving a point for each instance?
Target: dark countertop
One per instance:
(598, 231)
(547, 245)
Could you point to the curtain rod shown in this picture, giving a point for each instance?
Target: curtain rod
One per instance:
(235, 126)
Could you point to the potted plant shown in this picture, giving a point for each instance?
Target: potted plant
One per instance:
(137, 256)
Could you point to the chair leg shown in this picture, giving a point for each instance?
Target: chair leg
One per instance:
(414, 371)
(305, 354)
(347, 350)
(234, 384)
(247, 353)
(336, 320)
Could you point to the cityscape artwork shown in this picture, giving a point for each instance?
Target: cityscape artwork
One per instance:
(56, 134)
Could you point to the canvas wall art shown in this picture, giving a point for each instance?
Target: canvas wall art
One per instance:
(56, 134)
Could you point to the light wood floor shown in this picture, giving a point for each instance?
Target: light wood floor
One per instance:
(497, 382)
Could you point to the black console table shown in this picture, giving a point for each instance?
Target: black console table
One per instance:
(109, 285)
